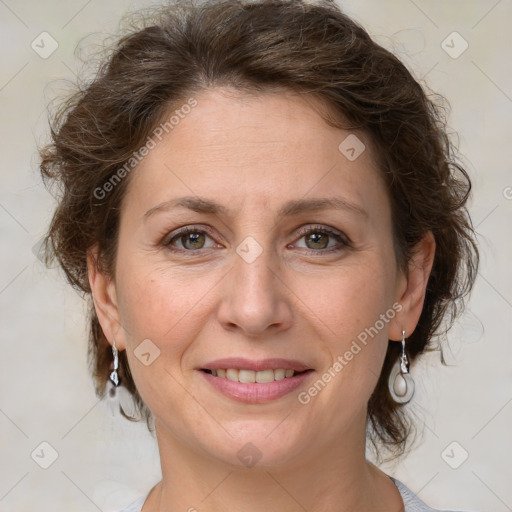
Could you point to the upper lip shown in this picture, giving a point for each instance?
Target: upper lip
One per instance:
(241, 363)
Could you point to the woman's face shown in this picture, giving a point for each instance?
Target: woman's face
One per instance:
(287, 264)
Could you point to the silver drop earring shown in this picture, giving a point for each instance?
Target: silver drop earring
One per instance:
(114, 377)
(119, 399)
(400, 383)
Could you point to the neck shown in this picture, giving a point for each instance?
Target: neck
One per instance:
(326, 478)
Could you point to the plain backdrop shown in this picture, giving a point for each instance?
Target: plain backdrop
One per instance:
(103, 462)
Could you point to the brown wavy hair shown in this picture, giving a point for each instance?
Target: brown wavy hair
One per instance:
(306, 47)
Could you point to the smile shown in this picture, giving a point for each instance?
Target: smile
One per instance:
(248, 376)
(255, 382)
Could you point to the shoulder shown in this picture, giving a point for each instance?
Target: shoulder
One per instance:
(411, 501)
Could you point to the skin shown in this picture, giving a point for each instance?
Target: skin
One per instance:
(252, 154)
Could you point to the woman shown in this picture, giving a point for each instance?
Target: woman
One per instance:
(265, 209)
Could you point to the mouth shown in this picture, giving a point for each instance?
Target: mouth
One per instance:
(251, 376)
(255, 382)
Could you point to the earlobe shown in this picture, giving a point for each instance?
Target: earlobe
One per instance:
(105, 301)
(413, 290)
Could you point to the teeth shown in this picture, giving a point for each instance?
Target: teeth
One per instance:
(279, 374)
(265, 376)
(250, 376)
(247, 376)
(232, 375)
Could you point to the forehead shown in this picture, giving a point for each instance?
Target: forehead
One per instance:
(257, 149)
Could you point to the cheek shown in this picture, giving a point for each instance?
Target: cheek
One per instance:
(350, 299)
(355, 342)
(160, 303)
(355, 311)
(164, 306)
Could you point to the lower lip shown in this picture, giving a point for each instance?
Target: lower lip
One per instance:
(256, 393)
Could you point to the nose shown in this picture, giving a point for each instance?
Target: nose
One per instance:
(255, 299)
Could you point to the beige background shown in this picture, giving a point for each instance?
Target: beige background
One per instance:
(46, 395)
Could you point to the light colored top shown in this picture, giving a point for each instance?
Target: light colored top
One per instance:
(411, 502)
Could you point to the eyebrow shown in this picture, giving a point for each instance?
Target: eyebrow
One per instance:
(291, 208)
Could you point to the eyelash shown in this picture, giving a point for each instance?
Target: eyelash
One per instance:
(342, 240)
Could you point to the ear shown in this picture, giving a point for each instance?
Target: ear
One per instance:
(105, 301)
(411, 288)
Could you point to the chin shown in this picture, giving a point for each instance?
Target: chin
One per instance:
(256, 443)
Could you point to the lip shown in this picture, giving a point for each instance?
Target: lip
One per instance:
(241, 363)
(254, 393)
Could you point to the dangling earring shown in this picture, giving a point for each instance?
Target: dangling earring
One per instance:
(400, 383)
(114, 377)
(118, 397)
